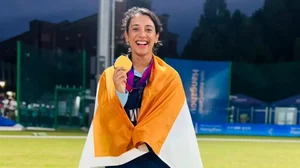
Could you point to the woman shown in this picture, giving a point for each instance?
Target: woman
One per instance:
(141, 117)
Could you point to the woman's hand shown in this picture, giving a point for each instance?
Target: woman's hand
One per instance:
(120, 79)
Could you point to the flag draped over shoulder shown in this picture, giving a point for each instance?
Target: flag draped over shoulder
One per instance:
(164, 123)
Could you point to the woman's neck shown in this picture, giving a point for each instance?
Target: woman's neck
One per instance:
(140, 63)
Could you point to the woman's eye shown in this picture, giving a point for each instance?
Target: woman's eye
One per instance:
(135, 29)
(149, 30)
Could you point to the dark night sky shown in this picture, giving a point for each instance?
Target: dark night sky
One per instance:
(15, 14)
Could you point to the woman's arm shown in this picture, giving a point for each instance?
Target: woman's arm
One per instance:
(123, 97)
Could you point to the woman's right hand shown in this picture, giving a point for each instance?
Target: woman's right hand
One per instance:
(120, 79)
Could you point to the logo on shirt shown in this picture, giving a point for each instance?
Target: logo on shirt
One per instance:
(133, 114)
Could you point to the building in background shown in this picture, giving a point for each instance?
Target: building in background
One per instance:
(169, 39)
(48, 40)
(73, 37)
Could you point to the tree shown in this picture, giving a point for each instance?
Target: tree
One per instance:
(276, 29)
(210, 39)
(239, 37)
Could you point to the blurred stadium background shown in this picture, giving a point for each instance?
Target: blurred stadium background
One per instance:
(239, 67)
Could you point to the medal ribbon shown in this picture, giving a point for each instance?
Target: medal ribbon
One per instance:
(143, 80)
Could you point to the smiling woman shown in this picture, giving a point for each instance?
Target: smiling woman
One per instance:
(141, 28)
(141, 116)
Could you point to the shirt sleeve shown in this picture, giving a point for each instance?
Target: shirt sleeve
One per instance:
(123, 97)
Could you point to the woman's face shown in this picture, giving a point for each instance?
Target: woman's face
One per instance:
(141, 35)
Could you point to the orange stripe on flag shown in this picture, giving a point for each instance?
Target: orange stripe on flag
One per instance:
(163, 99)
(161, 105)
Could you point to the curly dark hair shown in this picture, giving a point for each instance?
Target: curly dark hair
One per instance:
(143, 11)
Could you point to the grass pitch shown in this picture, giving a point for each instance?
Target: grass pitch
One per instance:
(65, 153)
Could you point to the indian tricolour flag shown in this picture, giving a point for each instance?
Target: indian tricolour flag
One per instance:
(164, 123)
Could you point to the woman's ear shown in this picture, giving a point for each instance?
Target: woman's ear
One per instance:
(126, 36)
(157, 37)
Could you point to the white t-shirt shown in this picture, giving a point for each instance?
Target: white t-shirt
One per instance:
(5, 103)
(12, 105)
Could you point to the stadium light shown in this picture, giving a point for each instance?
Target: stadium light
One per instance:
(9, 93)
(2, 84)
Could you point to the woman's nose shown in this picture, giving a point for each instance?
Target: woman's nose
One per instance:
(142, 33)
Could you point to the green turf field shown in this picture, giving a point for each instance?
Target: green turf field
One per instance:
(50, 133)
(65, 153)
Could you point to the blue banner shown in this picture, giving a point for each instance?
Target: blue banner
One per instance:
(249, 129)
(6, 122)
(206, 86)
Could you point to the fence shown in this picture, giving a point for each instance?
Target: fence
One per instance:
(249, 129)
(40, 71)
(41, 102)
(250, 115)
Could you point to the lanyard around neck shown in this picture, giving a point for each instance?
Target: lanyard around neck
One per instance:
(145, 77)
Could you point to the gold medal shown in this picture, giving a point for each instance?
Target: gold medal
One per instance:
(123, 62)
